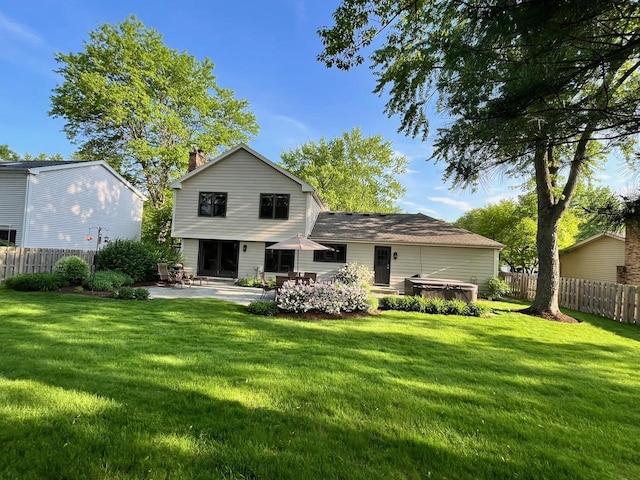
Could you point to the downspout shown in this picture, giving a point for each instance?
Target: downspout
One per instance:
(26, 227)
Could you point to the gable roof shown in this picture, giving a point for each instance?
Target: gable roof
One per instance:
(409, 228)
(34, 167)
(242, 146)
(615, 236)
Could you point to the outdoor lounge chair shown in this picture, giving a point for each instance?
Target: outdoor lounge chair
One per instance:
(165, 276)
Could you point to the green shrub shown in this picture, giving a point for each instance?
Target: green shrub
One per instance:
(436, 306)
(78, 289)
(35, 282)
(130, 257)
(474, 310)
(73, 269)
(388, 303)
(124, 293)
(373, 303)
(456, 307)
(249, 282)
(440, 306)
(141, 293)
(263, 307)
(496, 288)
(105, 280)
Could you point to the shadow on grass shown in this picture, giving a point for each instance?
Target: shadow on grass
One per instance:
(199, 389)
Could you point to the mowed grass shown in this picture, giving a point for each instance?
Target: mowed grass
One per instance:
(198, 389)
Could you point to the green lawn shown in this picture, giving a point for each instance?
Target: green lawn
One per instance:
(191, 388)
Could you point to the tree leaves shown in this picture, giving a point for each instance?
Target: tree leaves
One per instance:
(141, 106)
(351, 173)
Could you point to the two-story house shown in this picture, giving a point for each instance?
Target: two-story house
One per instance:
(229, 210)
(47, 204)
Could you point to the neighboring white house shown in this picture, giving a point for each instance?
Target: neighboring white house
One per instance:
(227, 211)
(50, 204)
(596, 258)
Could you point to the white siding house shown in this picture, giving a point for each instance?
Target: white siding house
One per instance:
(59, 204)
(218, 214)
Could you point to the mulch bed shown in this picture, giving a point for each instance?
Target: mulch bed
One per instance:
(560, 317)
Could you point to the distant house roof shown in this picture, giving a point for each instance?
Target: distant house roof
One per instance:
(410, 228)
(615, 236)
(36, 166)
(26, 165)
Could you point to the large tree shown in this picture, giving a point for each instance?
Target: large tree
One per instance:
(513, 223)
(351, 173)
(129, 99)
(528, 86)
(7, 154)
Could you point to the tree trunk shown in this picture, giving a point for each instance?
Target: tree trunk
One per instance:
(632, 250)
(546, 299)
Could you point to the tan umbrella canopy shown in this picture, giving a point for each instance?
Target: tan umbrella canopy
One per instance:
(299, 242)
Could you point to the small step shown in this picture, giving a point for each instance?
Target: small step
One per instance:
(384, 291)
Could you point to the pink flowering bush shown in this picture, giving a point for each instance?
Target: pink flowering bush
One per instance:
(325, 297)
(353, 273)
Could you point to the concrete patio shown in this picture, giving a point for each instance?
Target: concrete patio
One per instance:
(215, 288)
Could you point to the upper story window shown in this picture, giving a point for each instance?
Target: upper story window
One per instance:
(337, 255)
(7, 236)
(274, 205)
(212, 204)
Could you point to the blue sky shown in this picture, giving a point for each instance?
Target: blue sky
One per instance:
(264, 51)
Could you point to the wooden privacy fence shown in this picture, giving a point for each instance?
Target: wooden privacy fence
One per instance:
(14, 260)
(611, 300)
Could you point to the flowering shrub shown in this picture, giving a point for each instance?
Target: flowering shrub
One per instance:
(331, 298)
(352, 274)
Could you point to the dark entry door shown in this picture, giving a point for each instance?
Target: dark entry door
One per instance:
(218, 258)
(382, 265)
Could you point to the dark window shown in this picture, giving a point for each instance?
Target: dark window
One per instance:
(212, 204)
(337, 255)
(274, 205)
(280, 261)
(7, 236)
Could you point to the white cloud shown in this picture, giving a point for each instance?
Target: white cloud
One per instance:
(459, 204)
(498, 198)
(415, 207)
(291, 123)
(17, 31)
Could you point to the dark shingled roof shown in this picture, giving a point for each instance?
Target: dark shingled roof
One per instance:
(25, 165)
(413, 228)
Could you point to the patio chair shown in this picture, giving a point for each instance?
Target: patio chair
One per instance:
(280, 280)
(266, 287)
(165, 276)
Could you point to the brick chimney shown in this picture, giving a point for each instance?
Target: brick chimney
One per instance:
(196, 159)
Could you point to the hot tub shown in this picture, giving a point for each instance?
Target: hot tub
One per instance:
(440, 288)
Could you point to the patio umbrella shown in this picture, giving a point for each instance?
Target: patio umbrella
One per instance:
(299, 242)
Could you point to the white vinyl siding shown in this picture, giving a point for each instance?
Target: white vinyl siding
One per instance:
(596, 260)
(465, 264)
(13, 186)
(66, 202)
(243, 177)
(313, 210)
